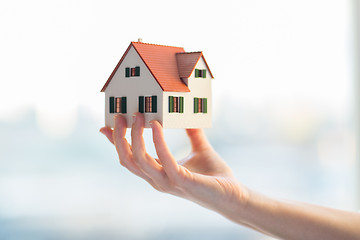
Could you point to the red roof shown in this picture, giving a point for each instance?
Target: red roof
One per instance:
(167, 65)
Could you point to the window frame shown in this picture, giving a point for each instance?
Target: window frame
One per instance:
(176, 104)
(118, 104)
(132, 72)
(148, 104)
(200, 105)
(200, 73)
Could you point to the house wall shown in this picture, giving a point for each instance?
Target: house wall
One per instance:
(199, 87)
(132, 88)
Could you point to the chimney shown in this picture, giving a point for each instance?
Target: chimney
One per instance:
(140, 40)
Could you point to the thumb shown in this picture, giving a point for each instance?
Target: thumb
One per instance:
(198, 139)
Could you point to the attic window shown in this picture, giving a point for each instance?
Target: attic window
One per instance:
(176, 104)
(132, 72)
(200, 73)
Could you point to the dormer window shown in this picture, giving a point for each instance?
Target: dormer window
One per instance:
(132, 72)
(200, 73)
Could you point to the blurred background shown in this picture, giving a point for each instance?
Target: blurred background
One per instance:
(284, 113)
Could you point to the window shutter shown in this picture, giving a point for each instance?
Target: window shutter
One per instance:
(197, 73)
(137, 71)
(154, 104)
(204, 105)
(127, 72)
(196, 105)
(204, 73)
(141, 104)
(171, 104)
(123, 105)
(112, 104)
(181, 105)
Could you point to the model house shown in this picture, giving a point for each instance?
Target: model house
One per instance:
(162, 82)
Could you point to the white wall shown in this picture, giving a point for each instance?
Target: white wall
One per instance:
(199, 87)
(132, 88)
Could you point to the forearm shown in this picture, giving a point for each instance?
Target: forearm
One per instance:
(292, 220)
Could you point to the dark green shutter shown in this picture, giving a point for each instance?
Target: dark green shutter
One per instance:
(137, 71)
(171, 104)
(196, 105)
(127, 72)
(154, 104)
(204, 73)
(141, 104)
(181, 104)
(197, 73)
(204, 105)
(123, 105)
(112, 104)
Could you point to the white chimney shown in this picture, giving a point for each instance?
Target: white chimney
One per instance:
(140, 40)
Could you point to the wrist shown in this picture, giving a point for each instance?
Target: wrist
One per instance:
(237, 206)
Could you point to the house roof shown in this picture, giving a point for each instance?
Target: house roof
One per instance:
(167, 65)
(187, 61)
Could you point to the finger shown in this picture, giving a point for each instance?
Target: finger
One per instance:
(198, 139)
(145, 162)
(165, 157)
(123, 147)
(108, 132)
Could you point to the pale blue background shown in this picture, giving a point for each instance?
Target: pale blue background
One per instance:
(283, 117)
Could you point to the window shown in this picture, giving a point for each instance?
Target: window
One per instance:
(117, 104)
(200, 73)
(148, 104)
(132, 72)
(176, 104)
(200, 105)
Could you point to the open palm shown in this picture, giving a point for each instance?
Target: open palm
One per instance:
(202, 176)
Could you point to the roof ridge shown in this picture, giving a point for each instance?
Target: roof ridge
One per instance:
(153, 44)
(189, 52)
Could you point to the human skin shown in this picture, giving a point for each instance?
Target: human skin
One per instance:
(204, 177)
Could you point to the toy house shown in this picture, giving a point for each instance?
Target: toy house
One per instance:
(162, 82)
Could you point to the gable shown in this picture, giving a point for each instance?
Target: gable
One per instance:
(161, 62)
(115, 69)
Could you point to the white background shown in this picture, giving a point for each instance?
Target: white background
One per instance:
(283, 116)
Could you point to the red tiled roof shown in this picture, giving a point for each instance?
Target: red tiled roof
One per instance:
(187, 62)
(161, 61)
(166, 64)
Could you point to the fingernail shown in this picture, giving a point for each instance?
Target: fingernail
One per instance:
(134, 118)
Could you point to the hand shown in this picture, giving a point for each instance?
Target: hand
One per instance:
(202, 176)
